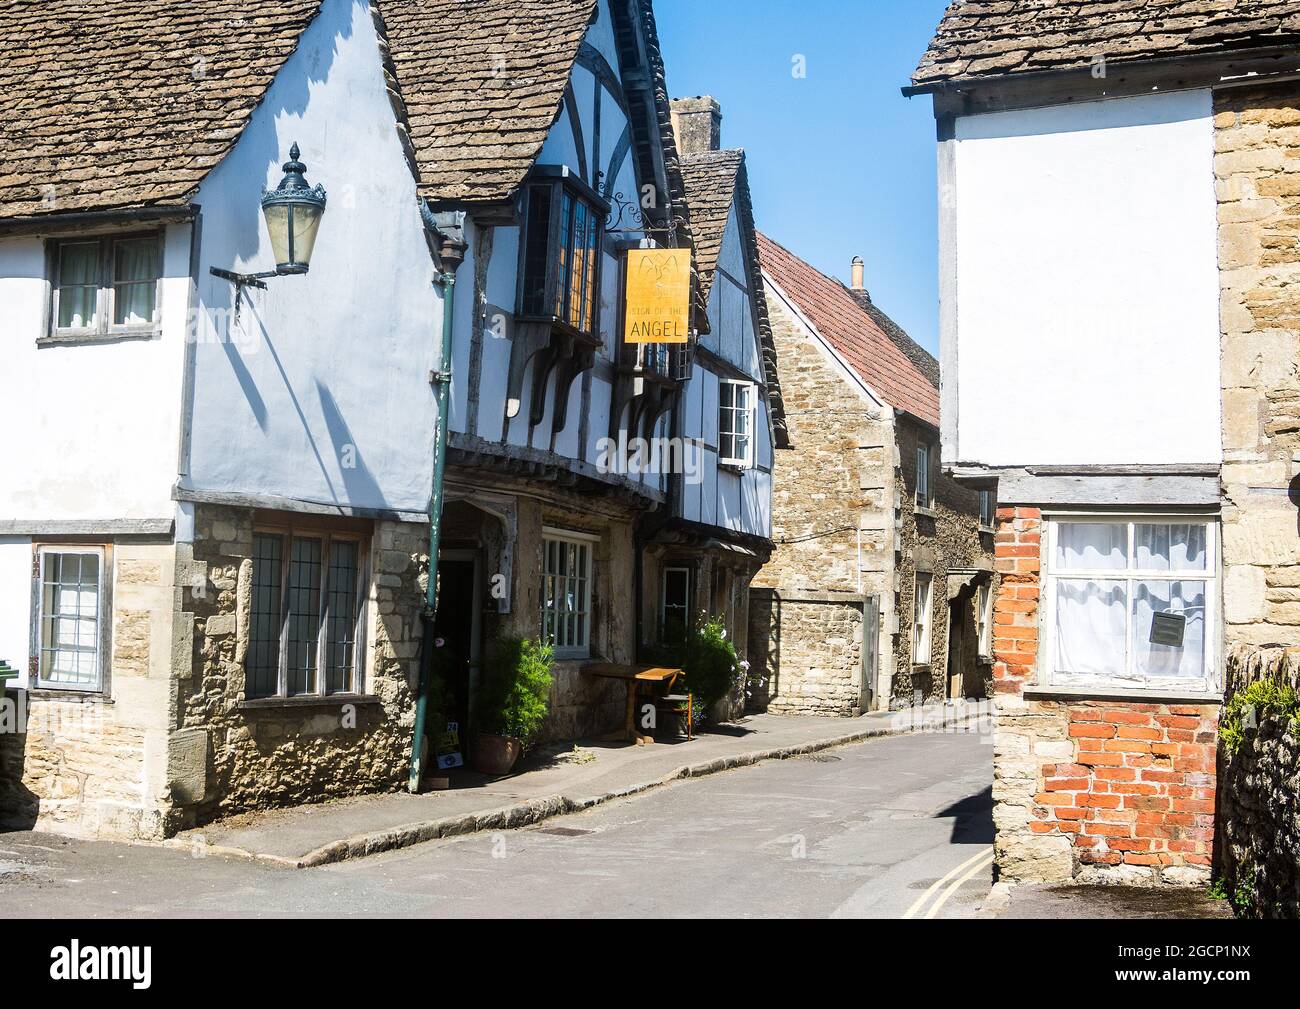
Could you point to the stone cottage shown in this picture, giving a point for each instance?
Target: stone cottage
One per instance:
(879, 588)
(1118, 205)
(215, 535)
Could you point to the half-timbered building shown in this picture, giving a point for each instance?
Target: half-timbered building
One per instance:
(215, 537)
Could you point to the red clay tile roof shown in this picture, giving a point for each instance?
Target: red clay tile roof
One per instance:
(859, 339)
(989, 38)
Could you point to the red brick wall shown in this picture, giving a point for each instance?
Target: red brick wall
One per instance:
(1096, 790)
(1140, 790)
(1016, 546)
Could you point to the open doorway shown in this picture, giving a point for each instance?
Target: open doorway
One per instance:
(458, 626)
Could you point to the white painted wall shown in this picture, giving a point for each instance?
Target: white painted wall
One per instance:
(734, 501)
(16, 603)
(92, 428)
(1086, 284)
(329, 369)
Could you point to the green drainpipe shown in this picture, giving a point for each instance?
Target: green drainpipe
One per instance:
(451, 253)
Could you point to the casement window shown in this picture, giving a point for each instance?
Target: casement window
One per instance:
(921, 622)
(566, 593)
(988, 509)
(1130, 602)
(306, 629)
(984, 619)
(72, 618)
(106, 285)
(675, 607)
(924, 494)
(561, 250)
(736, 423)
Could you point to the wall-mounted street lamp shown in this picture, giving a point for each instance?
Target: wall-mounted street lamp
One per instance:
(293, 211)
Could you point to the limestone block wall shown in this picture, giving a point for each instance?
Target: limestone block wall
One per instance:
(291, 754)
(1257, 170)
(834, 526)
(1091, 790)
(91, 765)
(936, 540)
(805, 654)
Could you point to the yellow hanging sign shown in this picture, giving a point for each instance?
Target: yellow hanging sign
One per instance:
(658, 296)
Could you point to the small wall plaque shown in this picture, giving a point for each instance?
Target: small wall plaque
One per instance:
(1168, 629)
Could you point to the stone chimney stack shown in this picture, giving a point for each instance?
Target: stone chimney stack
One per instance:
(697, 125)
(859, 274)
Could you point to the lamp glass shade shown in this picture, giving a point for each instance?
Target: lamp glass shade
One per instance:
(293, 211)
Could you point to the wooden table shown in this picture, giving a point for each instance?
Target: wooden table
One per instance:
(633, 677)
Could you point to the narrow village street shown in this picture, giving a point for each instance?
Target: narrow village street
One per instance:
(858, 831)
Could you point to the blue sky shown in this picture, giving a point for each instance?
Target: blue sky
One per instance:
(840, 163)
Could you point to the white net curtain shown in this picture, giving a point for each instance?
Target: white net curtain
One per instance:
(1111, 579)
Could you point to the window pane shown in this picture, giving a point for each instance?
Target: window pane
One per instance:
(577, 295)
(135, 275)
(536, 255)
(726, 395)
(304, 614)
(1091, 545)
(593, 251)
(70, 620)
(566, 254)
(78, 284)
(1091, 620)
(341, 624)
(1186, 598)
(1165, 546)
(266, 617)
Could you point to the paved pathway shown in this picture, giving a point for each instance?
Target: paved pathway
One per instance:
(885, 828)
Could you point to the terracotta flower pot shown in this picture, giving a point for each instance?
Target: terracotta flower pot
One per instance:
(495, 754)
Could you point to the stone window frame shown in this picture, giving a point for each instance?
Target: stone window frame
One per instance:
(923, 629)
(357, 532)
(104, 643)
(924, 496)
(1209, 684)
(104, 329)
(553, 534)
(984, 619)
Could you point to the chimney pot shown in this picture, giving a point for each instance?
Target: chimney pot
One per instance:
(697, 125)
(859, 274)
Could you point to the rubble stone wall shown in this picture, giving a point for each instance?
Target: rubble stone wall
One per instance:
(1259, 805)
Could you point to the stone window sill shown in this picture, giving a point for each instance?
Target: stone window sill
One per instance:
(54, 694)
(329, 701)
(987, 530)
(1080, 693)
(929, 513)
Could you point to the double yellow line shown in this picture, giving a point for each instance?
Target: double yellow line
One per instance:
(963, 872)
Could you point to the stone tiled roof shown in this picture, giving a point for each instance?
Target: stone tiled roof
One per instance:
(714, 181)
(988, 38)
(129, 103)
(710, 180)
(853, 332)
(479, 84)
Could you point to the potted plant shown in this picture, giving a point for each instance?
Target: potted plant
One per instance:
(513, 697)
(711, 664)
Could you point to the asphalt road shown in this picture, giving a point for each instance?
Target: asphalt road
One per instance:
(890, 828)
